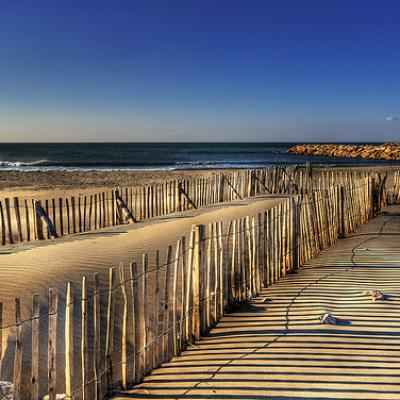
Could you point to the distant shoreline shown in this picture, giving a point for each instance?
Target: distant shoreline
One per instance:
(384, 152)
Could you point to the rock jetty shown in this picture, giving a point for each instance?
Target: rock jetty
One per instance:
(385, 151)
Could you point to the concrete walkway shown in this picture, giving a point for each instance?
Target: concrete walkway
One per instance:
(280, 350)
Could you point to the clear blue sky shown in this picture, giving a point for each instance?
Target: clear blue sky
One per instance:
(262, 70)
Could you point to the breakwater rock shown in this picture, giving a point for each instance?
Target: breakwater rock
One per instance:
(385, 151)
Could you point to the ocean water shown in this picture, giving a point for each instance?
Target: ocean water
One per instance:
(50, 156)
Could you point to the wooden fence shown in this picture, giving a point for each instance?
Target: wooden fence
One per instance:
(108, 334)
(26, 219)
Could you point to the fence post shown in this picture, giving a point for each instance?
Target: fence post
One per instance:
(18, 351)
(69, 341)
(110, 328)
(198, 254)
(52, 344)
(342, 228)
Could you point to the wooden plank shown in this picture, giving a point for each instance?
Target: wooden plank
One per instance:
(61, 215)
(110, 328)
(182, 300)
(100, 215)
(35, 220)
(233, 284)
(198, 254)
(135, 316)
(156, 312)
(188, 289)
(124, 333)
(166, 310)
(103, 198)
(223, 286)
(144, 317)
(74, 216)
(18, 219)
(3, 225)
(54, 214)
(124, 211)
(84, 213)
(18, 351)
(68, 216)
(27, 222)
(97, 337)
(95, 205)
(216, 274)
(79, 214)
(242, 258)
(1, 337)
(52, 345)
(113, 210)
(231, 268)
(261, 252)
(90, 212)
(69, 341)
(35, 347)
(9, 220)
(44, 220)
(175, 298)
(206, 316)
(84, 340)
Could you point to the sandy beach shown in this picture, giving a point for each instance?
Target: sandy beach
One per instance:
(58, 183)
(61, 182)
(35, 267)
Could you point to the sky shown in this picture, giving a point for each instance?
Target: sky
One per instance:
(250, 70)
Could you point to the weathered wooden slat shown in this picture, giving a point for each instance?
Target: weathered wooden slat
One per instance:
(18, 351)
(166, 309)
(124, 333)
(147, 316)
(61, 215)
(198, 254)
(84, 340)
(52, 345)
(18, 219)
(9, 220)
(156, 312)
(135, 315)
(3, 225)
(175, 298)
(27, 222)
(110, 328)
(69, 341)
(35, 348)
(97, 338)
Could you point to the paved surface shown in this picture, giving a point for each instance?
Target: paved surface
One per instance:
(280, 350)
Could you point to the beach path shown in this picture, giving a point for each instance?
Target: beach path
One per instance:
(279, 349)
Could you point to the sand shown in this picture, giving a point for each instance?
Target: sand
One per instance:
(57, 183)
(34, 267)
(280, 350)
(45, 184)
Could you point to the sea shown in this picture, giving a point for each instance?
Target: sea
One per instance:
(152, 156)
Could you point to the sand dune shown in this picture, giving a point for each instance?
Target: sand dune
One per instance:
(34, 267)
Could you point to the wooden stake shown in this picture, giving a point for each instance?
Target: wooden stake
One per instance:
(18, 351)
(69, 341)
(52, 345)
(124, 326)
